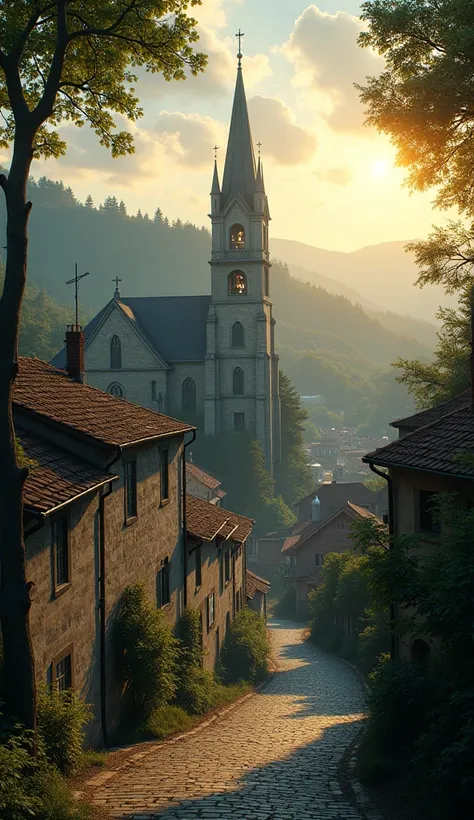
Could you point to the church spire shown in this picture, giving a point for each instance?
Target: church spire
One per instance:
(259, 182)
(216, 188)
(239, 169)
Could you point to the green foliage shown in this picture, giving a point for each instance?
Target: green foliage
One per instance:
(246, 648)
(16, 802)
(146, 651)
(165, 721)
(293, 478)
(196, 687)
(375, 483)
(285, 607)
(61, 720)
(57, 801)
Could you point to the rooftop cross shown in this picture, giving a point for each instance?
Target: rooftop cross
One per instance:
(259, 146)
(215, 149)
(117, 281)
(239, 35)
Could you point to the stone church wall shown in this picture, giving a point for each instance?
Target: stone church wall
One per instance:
(181, 371)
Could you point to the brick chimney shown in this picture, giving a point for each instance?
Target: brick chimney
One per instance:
(75, 352)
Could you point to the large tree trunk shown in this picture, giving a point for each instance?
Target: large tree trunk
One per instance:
(14, 590)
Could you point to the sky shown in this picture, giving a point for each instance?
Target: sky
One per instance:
(331, 181)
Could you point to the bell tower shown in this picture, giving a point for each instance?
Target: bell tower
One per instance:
(241, 368)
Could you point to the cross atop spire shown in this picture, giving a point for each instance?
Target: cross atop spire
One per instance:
(239, 36)
(215, 149)
(117, 281)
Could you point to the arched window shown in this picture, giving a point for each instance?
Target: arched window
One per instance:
(238, 339)
(420, 651)
(153, 391)
(238, 381)
(237, 283)
(115, 353)
(237, 237)
(189, 397)
(266, 279)
(116, 389)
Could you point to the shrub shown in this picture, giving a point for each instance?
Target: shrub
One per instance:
(146, 651)
(246, 648)
(196, 687)
(61, 719)
(16, 802)
(56, 800)
(165, 721)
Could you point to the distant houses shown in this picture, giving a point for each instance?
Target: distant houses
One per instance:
(109, 502)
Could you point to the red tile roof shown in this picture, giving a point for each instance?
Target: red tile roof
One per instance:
(200, 475)
(432, 414)
(304, 530)
(56, 476)
(433, 448)
(204, 520)
(253, 584)
(52, 395)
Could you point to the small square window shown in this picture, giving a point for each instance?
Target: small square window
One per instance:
(130, 490)
(164, 472)
(210, 611)
(61, 552)
(239, 421)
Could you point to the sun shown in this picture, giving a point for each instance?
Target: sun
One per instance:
(379, 168)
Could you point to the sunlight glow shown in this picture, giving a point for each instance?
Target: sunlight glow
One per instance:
(379, 168)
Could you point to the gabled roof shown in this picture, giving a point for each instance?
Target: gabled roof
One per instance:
(304, 530)
(424, 417)
(54, 397)
(433, 448)
(337, 493)
(206, 521)
(253, 584)
(56, 477)
(174, 326)
(200, 475)
(239, 169)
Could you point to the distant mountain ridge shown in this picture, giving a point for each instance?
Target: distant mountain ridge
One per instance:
(382, 274)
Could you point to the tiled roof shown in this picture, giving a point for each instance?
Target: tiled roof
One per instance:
(204, 520)
(339, 492)
(433, 448)
(303, 531)
(51, 394)
(253, 584)
(425, 417)
(56, 477)
(175, 326)
(200, 475)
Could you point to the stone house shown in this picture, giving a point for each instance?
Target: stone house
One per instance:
(215, 559)
(256, 590)
(203, 485)
(421, 463)
(310, 541)
(334, 495)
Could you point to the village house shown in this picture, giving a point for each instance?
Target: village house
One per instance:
(256, 590)
(203, 485)
(103, 509)
(421, 464)
(305, 548)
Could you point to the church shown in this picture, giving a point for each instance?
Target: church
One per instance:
(209, 357)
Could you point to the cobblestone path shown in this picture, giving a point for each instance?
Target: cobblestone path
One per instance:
(274, 757)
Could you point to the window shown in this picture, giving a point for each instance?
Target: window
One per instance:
(238, 381)
(266, 282)
(237, 237)
(238, 339)
(428, 513)
(238, 600)
(265, 237)
(198, 566)
(153, 391)
(189, 396)
(218, 643)
(130, 490)
(116, 389)
(163, 584)
(237, 283)
(239, 421)
(227, 623)
(318, 559)
(61, 671)
(227, 567)
(164, 472)
(210, 611)
(420, 651)
(221, 571)
(61, 552)
(115, 353)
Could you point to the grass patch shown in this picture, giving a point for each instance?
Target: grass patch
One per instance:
(166, 721)
(225, 695)
(93, 759)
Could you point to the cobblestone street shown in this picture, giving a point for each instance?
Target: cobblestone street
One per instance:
(274, 757)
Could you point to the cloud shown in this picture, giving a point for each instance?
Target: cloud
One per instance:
(323, 49)
(341, 175)
(188, 138)
(273, 124)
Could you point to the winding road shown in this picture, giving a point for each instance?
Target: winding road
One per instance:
(275, 756)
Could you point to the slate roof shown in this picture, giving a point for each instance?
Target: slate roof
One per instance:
(205, 521)
(200, 475)
(239, 168)
(56, 476)
(50, 393)
(253, 584)
(337, 493)
(306, 529)
(175, 326)
(432, 414)
(432, 448)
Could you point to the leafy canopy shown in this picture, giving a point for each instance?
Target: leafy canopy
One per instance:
(76, 61)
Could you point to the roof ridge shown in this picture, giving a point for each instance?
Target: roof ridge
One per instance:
(414, 432)
(432, 409)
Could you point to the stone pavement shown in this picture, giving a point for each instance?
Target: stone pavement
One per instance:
(274, 757)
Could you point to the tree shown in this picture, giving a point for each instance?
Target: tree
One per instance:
(158, 217)
(293, 477)
(89, 203)
(60, 61)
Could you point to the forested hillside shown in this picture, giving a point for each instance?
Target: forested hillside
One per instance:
(327, 344)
